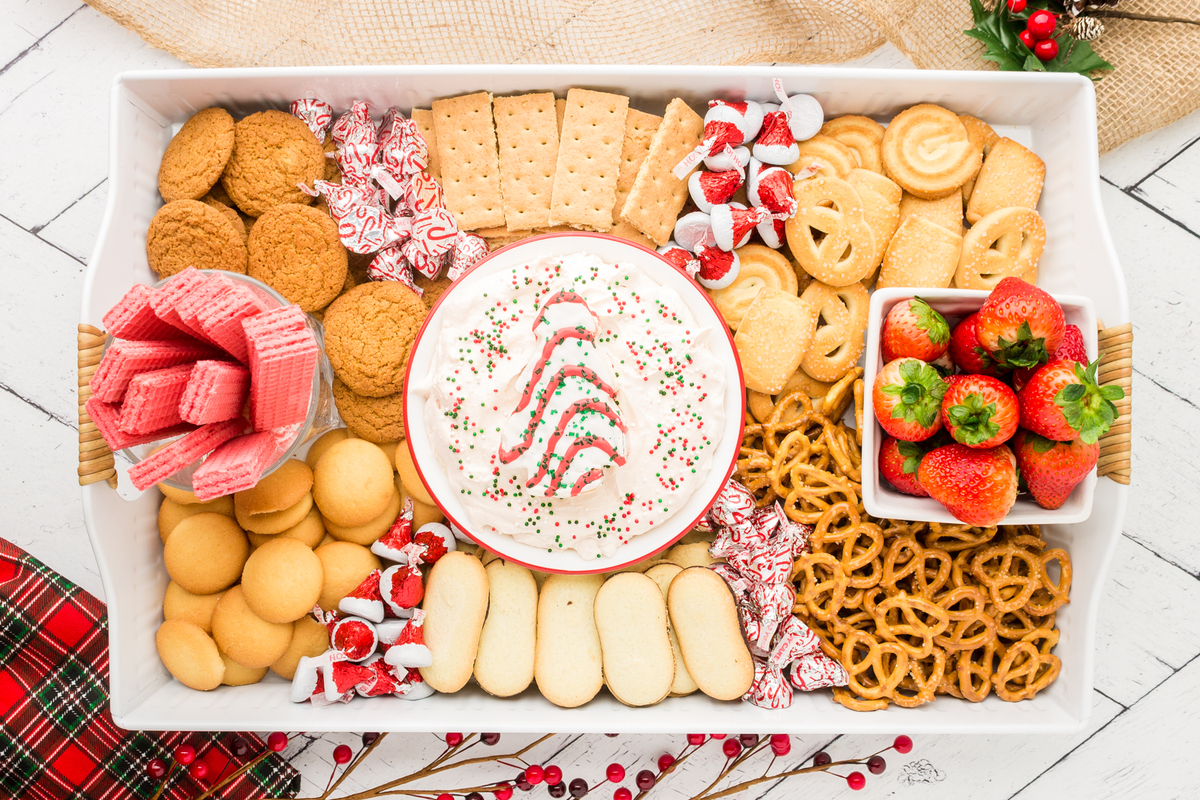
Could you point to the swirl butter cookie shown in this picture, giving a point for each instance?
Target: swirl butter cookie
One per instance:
(295, 250)
(926, 150)
(369, 331)
(189, 233)
(196, 156)
(861, 135)
(760, 266)
(273, 152)
(829, 157)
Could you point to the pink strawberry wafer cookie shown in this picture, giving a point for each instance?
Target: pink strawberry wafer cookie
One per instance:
(221, 320)
(106, 416)
(122, 360)
(235, 466)
(200, 297)
(133, 318)
(216, 391)
(166, 298)
(182, 452)
(282, 361)
(152, 399)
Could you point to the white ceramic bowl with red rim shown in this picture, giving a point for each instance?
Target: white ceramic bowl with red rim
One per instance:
(879, 497)
(613, 250)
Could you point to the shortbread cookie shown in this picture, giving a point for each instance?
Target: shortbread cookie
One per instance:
(205, 553)
(179, 603)
(467, 156)
(921, 254)
(406, 469)
(273, 153)
(368, 532)
(189, 654)
(352, 483)
(695, 554)
(309, 638)
(376, 419)
(246, 637)
(589, 160)
(838, 342)
(344, 565)
(504, 666)
(568, 664)
(171, 513)
(981, 136)
(825, 154)
(705, 619)
(772, 338)
(1006, 243)
(760, 266)
(657, 196)
(829, 235)
(282, 580)
(456, 602)
(926, 150)
(631, 620)
(324, 442)
(881, 199)
(237, 675)
(188, 233)
(368, 333)
(296, 251)
(662, 575)
(1011, 175)
(947, 211)
(861, 135)
(196, 156)
(762, 405)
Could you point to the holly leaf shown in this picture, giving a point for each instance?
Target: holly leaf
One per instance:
(999, 39)
(1076, 55)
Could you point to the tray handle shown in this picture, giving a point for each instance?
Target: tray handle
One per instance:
(95, 458)
(1116, 343)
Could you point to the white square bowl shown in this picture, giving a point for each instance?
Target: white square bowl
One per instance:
(879, 498)
(1053, 114)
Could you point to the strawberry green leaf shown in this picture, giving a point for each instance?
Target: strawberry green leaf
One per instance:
(1112, 392)
(920, 393)
(913, 453)
(971, 420)
(1085, 406)
(1025, 351)
(930, 321)
(1039, 443)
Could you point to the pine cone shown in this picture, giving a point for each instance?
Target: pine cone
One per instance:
(1085, 28)
(1075, 7)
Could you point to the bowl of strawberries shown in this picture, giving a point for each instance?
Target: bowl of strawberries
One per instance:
(982, 407)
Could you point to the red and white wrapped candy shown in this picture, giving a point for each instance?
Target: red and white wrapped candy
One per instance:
(804, 114)
(357, 144)
(682, 260)
(409, 650)
(391, 265)
(718, 134)
(775, 143)
(794, 641)
(432, 237)
(770, 688)
(342, 676)
(307, 682)
(710, 188)
(746, 115)
(383, 682)
(773, 191)
(401, 155)
(418, 688)
(389, 631)
(732, 225)
(316, 114)
(436, 540)
(693, 231)
(728, 158)
(390, 545)
(469, 250)
(818, 671)
(364, 601)
(718, 268)
(773, 232)
(401, 585)
(355, 638)
(423, 193)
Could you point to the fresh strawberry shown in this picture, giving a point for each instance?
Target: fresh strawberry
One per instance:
(977, 486)
(914, 330)
(1019, 324)
(1072, 348)
(898, 462)
(980, 411)
(966, 351)
(1052, 469)
(907, 396)
(1063, 402)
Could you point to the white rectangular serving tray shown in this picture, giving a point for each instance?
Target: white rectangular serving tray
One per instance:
(1053, 114)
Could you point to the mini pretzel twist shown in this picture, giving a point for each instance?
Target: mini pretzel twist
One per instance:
(875, 668)
(1010, 588)
(902, 618)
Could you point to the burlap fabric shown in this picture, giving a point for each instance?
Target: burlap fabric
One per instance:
(1156, 82)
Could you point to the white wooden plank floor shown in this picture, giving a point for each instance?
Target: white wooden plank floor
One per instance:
(57, 59)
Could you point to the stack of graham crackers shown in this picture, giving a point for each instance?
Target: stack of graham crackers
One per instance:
(514, 167)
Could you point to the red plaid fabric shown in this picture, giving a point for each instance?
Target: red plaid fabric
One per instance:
(57, 738)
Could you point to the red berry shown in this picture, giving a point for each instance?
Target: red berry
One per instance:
(534, 774)
(914, 330)
(612, 735)
(445, 796)
(1041, 24)
(277, 741)
(966, 352)
(578, 788)
(876, 765)
(474, 796)
(1051, 470)
(902, 745)
(1019, 324)
(1046, 50)
(856, 780)
(553, 775)
(645, 780)
(781, 744)
(979, 411)
(240, 746)
(718, 735)
(1072, 348)
(185, 754)
(1027, 39)
(557, 789)
(664, 761)
(1063, 401)
(198, 770)
(907, 397)
(978, 487)
(615, 773)
(1016, 6)
(524, 785)
(489, 738)
(732, 748)
(454, 739)
(748, 739)
(695, 738)
(156, 768)
(622, 794)
(342, 754)
(821, 759)
(898, 462)
(503, 792)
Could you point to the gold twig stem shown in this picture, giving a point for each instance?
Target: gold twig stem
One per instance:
(1113, 14)
(366, 751)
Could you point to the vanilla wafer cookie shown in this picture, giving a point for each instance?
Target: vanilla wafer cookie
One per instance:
(589, 160)
(466, 142)
(527, 135)
(657, 196)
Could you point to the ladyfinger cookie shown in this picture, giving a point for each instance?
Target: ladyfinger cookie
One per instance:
(567, 665)
(710, 638)
(631, 618)
(504, 666)
(456, 601)
(663, 574)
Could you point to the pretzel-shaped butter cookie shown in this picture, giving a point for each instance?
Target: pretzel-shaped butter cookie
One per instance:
(1006, 243)
(837, 344)
(760, 266)
(829, 235)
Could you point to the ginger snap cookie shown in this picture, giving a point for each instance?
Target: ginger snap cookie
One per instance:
(376, 419)
(273, 152)
(295, 250)
(368, 334)
(188, 233)
(196, 156)
(432, 288)
(228, 212)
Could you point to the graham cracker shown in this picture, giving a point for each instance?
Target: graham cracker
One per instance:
(495, 232)
(639, 132)
(589, 160)
(560, 109)
(424, 119)
(527, 136)
(657, 195)
(624, 230)
(466, 142)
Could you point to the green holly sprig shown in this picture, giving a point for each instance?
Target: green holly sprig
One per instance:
(998, 29)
